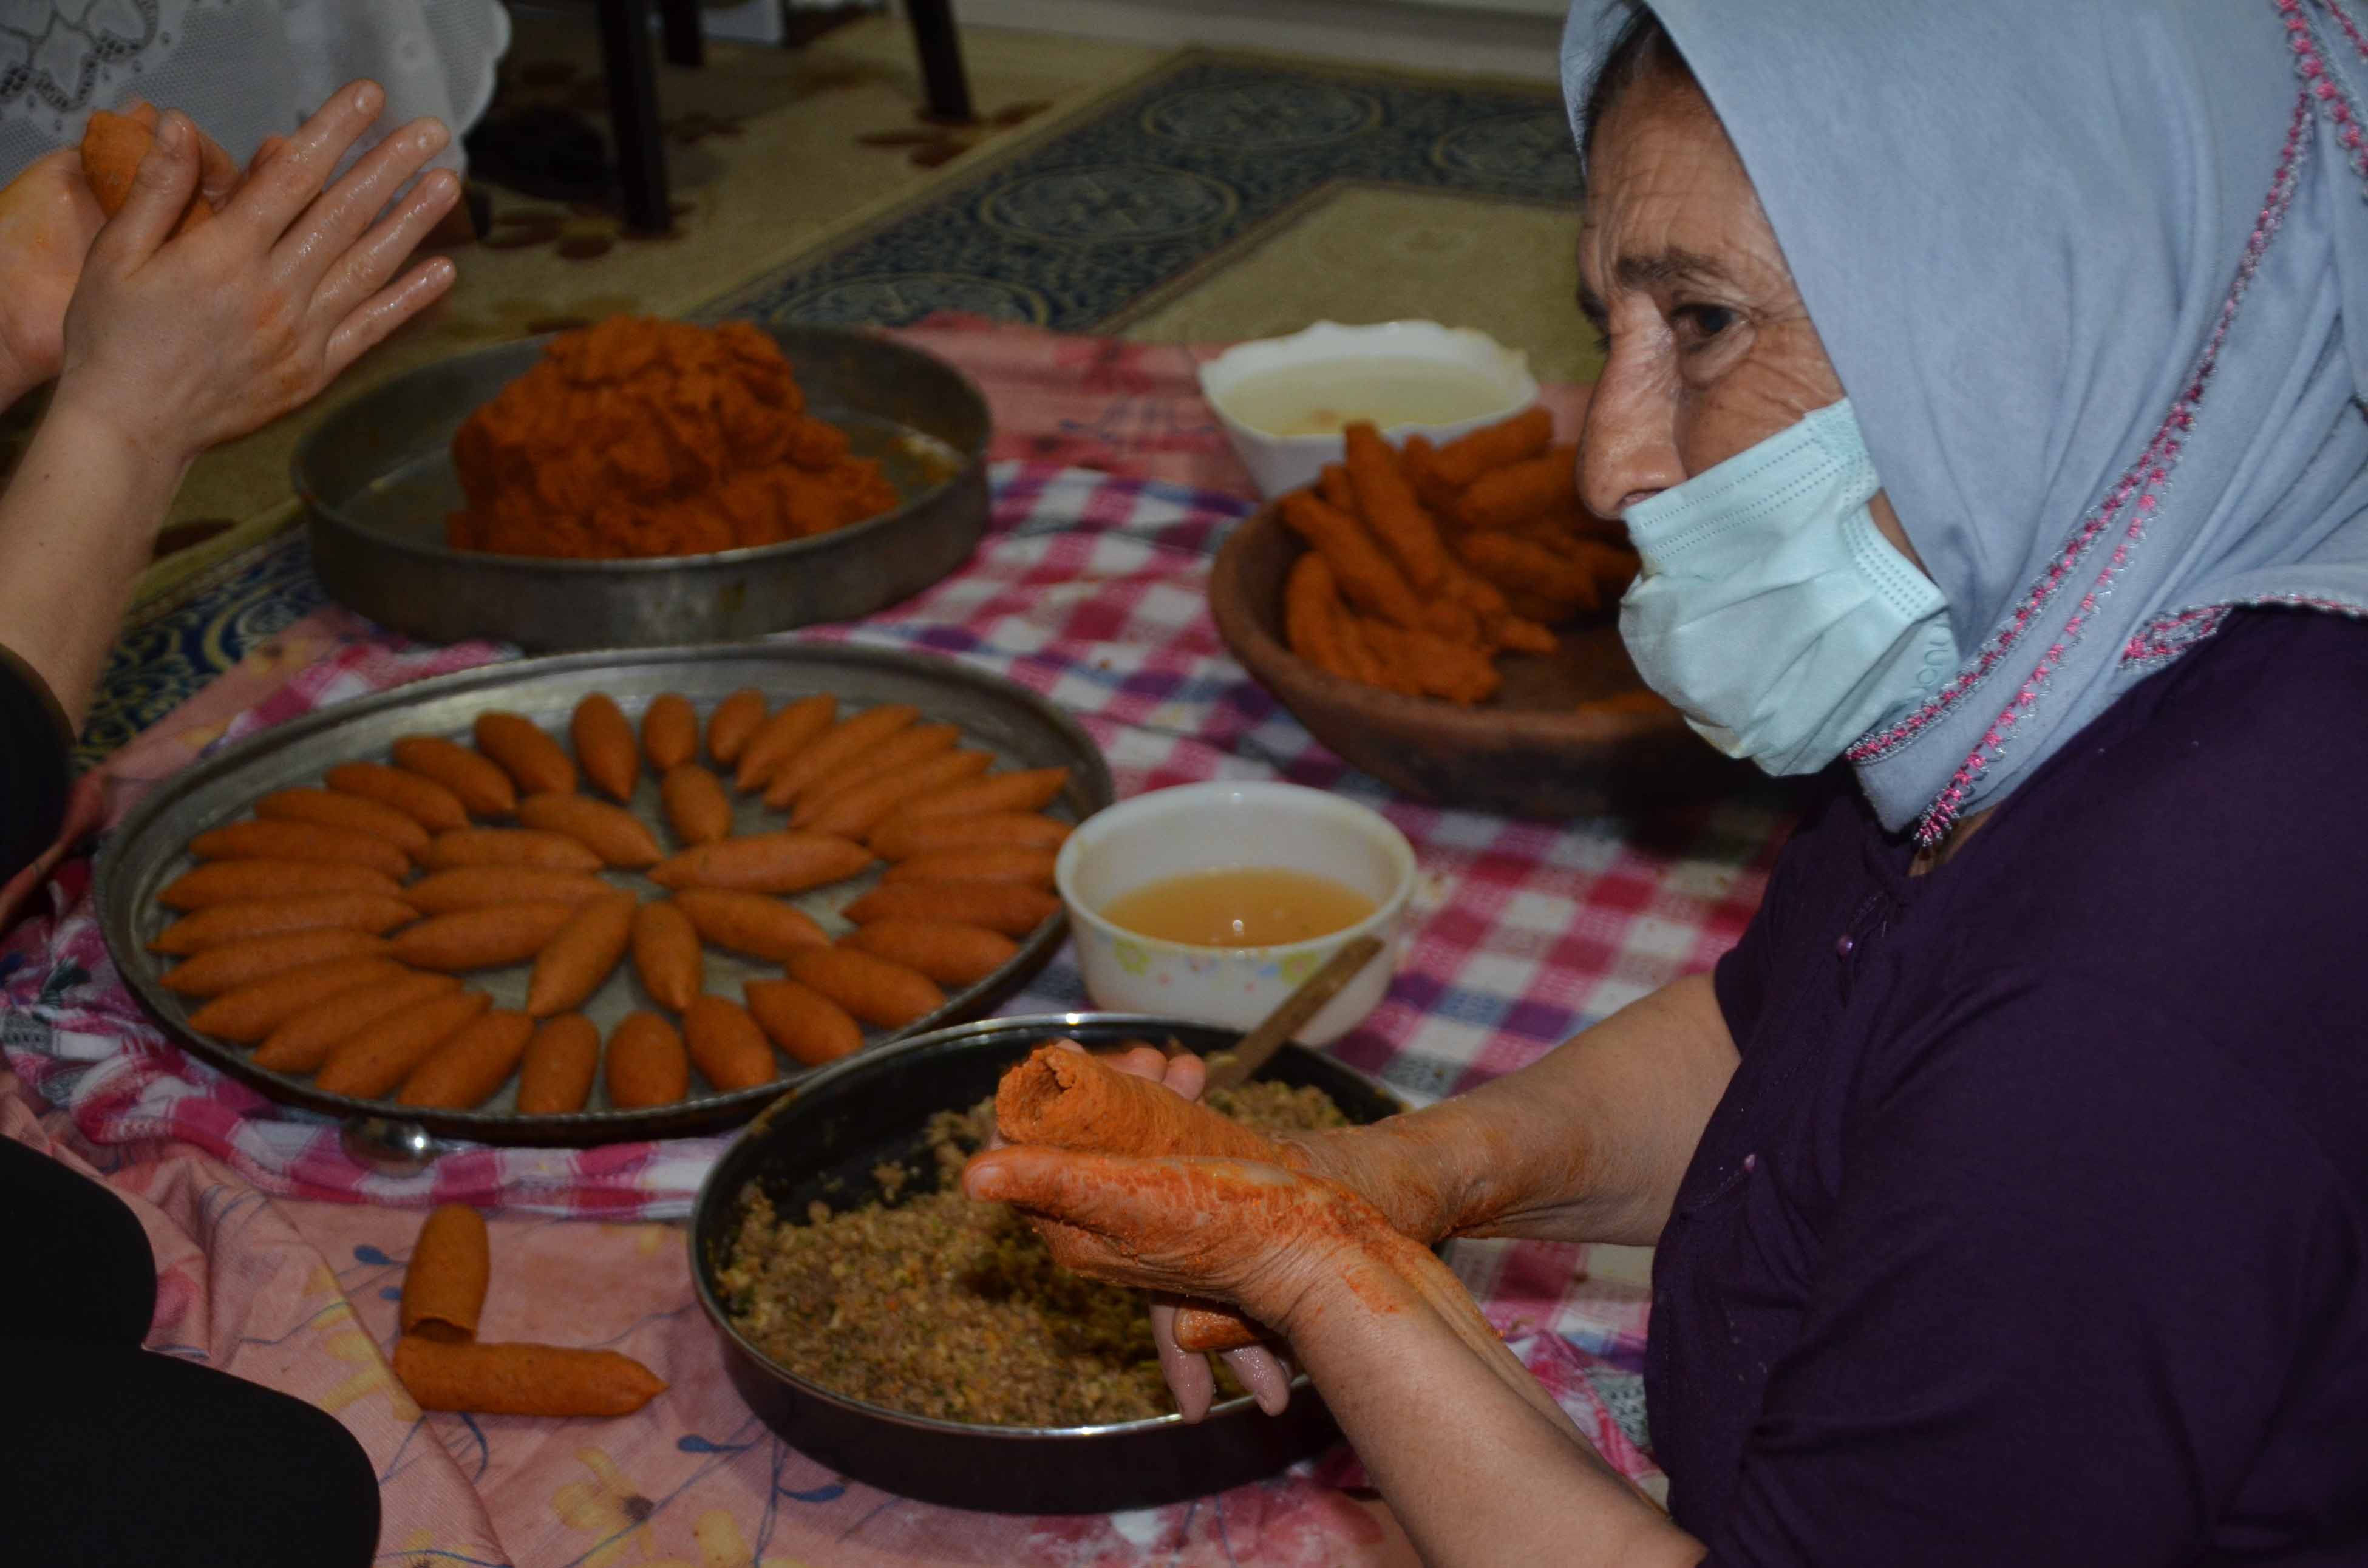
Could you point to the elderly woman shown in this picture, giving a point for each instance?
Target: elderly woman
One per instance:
(1983, 396)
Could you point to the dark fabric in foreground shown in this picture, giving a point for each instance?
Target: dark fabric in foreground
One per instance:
(34, 774)
(119, 1454)
(2031, 1228)
(92, 1279)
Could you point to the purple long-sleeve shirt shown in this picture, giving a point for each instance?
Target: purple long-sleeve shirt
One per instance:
(2033, 1226)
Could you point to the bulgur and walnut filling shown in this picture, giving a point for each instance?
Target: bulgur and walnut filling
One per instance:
(942, 1307)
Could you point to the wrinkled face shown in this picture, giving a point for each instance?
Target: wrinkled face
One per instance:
(1709, 348)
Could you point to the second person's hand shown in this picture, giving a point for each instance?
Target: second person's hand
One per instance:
(48, 218)
(175, 347)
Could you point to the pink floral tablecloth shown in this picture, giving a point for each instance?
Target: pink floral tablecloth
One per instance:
(281, 1255)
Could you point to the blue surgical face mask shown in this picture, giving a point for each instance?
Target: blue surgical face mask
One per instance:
(1772, 612)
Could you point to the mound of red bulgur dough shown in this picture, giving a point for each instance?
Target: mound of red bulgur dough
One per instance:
(640, 437)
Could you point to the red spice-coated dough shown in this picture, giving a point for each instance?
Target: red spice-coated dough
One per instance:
(1070, 1100)
(640, 437)
(112, 148)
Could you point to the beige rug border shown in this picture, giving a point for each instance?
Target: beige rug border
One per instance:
(1477, 81)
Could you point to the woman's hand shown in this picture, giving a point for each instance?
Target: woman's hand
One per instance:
(171, 346)
(1253, 1236)
(1585, 1144)
(174, 347)
(1398, 1173)
(1301, 1254)
(48, 220)
(1188, 1374)
(1392, 1165)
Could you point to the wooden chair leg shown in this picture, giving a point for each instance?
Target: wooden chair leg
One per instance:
(685, 43)
(634, 114)
(941, 61)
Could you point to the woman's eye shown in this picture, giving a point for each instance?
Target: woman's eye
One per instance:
(1697, 324)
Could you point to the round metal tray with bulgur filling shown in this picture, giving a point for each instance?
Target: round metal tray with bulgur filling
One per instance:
(1012, 1340)
(887, 1327)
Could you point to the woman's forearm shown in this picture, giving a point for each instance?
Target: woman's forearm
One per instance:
(1585, 1144)
(1450, 1426)
(77, 524)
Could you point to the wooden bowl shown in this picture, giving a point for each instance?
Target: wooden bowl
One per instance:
(1531, 751)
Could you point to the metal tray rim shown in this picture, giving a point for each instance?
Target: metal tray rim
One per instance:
(110, 867)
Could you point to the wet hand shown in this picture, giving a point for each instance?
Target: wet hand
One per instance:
(176, 347)
(48, 220)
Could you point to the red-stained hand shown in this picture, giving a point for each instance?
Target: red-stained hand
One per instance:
(1260, 1370)
(1255, 1236)
(1391, 1165)
(176, 346)
(1237, 1230)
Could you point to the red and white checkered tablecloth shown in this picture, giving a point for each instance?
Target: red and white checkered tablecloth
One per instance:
(1089, 589)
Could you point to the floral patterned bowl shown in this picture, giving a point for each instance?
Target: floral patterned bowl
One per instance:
(1202, 827)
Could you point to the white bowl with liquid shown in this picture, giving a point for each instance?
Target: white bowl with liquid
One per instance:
(1285, 401)
(1191, 828)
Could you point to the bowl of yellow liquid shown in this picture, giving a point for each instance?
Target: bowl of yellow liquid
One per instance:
(1285, 401)
(1213, 902)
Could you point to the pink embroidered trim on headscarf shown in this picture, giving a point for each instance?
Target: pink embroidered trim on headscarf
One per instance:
(2173, 635)
(2154, 464)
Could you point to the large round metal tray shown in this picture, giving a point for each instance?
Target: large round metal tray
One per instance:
(377, 481)
(150, 847)
(825, 1141)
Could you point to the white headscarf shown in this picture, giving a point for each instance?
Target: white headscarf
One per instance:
(2094, 274)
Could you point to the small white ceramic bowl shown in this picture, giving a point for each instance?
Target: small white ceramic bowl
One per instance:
(1203, 827)
(1497, 375)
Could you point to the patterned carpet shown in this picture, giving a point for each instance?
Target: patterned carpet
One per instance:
(1072, 233)
(1131, 218)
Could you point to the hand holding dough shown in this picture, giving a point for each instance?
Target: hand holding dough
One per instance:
(1271, 1241)
(112, 146)
(1236, 1229)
